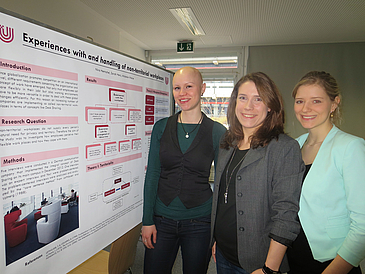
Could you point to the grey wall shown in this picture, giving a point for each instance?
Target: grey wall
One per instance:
(287, 64)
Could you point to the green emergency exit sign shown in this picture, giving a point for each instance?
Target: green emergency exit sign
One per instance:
(185, 47)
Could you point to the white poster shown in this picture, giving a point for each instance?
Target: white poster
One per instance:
(75, 126)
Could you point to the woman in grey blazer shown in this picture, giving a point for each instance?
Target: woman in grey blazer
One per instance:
(257, 184)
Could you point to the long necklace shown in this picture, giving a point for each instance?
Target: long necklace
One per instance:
(187, 133)
(230, 176)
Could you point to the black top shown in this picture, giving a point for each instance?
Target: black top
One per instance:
(225, 230)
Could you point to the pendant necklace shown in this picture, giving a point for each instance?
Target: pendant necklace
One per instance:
(230, 176)
(187, 133)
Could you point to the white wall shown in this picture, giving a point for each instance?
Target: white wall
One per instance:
(75, 18)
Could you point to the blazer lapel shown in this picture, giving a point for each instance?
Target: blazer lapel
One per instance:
(252, 156)
(224, 154)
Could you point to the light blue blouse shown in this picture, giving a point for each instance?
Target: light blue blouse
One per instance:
(332, 203)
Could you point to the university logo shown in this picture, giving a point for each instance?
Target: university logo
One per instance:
(6, 34)
(167, 80)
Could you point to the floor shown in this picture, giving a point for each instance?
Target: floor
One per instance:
(137, 267)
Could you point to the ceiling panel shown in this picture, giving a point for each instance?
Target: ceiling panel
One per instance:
(238, 22)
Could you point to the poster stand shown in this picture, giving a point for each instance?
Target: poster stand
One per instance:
(118, 260)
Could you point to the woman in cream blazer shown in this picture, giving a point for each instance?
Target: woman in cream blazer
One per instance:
(332, 203)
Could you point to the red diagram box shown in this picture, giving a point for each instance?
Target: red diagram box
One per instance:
(150, 100)
(109, 192)
(125, 185)
(149, 120)
(149, 110)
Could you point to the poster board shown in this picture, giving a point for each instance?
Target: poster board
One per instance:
(75, 126)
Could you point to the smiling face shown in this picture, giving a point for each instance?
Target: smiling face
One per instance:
(250, 110)
(313, 107)
(187, 88)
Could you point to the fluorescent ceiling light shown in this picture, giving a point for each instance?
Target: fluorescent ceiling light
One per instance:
(187, 19)
(197, 60)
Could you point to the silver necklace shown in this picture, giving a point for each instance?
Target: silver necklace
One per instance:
(230, 176)
(187, 133)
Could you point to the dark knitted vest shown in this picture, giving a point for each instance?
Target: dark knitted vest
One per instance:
(186, 175)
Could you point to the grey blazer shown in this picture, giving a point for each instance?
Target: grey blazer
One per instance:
(268, 185)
